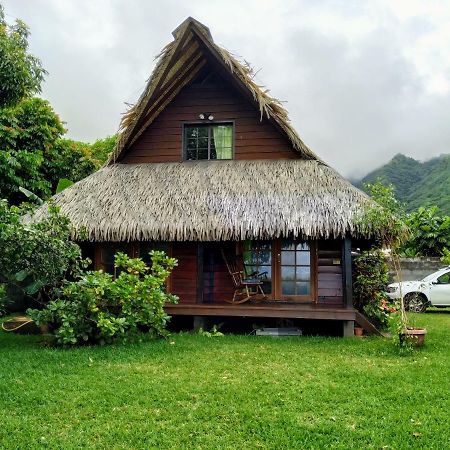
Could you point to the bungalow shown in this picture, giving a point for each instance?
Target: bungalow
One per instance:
(209, 168)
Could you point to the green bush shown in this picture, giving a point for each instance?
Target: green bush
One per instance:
(100, 308)
(371, 275)
(4, 300)
(35, 258)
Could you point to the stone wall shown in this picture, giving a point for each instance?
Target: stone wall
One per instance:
(416, 268)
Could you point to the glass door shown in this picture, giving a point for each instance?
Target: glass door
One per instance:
(257, 257)
(295, 280)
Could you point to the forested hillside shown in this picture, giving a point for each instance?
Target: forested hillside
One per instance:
(416, 183)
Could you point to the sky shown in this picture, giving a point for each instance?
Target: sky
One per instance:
(362, 80)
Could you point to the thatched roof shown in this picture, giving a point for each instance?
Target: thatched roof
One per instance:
(212, 200)
(178, 64)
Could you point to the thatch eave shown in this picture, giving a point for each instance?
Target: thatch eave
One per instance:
(213, 201)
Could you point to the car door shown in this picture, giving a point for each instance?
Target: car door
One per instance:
(440, 290)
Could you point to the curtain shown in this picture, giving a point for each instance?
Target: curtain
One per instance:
(223, 141)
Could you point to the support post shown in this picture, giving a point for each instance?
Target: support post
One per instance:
(347, 272)
(199, 322)
(348, 327)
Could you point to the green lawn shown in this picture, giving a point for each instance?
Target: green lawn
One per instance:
(232, 392)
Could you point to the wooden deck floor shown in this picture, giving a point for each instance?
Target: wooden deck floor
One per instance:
(264, 309)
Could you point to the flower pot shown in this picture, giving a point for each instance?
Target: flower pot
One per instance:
(359, 331)
(413, 336)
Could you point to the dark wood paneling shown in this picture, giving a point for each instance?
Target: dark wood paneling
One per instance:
(217, 282)
(254, 139)
(184, 276)
(329, 272)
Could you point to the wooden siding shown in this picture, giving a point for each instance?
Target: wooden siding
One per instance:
(184, 276)
(329, 272)
(217, 283)
(254, 139)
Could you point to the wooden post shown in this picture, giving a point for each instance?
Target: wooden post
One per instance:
(347, 272)
(200, 272)
(347, 325)
(199, 322)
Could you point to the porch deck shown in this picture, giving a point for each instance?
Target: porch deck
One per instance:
(265, 309)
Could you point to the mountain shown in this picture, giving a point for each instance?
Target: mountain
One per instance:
(416, 183)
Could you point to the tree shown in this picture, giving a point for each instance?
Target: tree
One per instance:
(430, 233)
(386, 219)
(102, 148)
(21, 73)
(34, 154)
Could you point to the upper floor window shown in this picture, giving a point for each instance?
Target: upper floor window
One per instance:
(208, 141)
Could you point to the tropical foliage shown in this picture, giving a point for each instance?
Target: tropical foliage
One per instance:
(430, 233)
(21, 73)
(99, 308)
(34, 155)
(416, 183)
(371, 275)
(37, 257)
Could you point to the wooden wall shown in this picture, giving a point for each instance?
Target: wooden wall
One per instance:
(329, 272)
(183, 281)
(217, 282)
(162, 141)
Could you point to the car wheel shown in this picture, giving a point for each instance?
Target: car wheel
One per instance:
(415, 302)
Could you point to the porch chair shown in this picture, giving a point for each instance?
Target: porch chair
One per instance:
(245, 288)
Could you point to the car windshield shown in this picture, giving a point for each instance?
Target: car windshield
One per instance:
(433, 275)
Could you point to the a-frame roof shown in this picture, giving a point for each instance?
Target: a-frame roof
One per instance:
(178, 64)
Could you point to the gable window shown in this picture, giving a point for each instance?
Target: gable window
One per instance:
(208, 141)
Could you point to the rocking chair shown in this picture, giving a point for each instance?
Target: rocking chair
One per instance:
(244, 288)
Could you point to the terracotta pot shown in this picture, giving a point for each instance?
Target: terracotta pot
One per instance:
(359, 331)
(44, 329)
(413, 336)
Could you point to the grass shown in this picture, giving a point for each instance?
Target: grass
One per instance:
(233, 392)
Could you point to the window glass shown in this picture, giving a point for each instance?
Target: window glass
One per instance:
(108, 252)
(146, 247)
(295, 268)
(213, 141)
(444, 279)
(258, 258)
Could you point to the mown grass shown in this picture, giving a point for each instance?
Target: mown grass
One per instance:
(231, 392)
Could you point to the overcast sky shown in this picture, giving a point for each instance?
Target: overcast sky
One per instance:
(362, 80)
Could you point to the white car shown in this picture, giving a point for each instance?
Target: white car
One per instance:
(433, 290)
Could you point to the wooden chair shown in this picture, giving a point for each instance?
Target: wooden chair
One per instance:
(245, 288)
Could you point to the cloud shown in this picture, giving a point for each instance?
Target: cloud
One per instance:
(363, 80)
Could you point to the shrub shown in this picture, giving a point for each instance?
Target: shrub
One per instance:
(371, 275)
(4, 300)
(100, 308)
(37, 257)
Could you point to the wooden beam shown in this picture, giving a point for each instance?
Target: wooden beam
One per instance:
(286, 311)
(347, 272)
